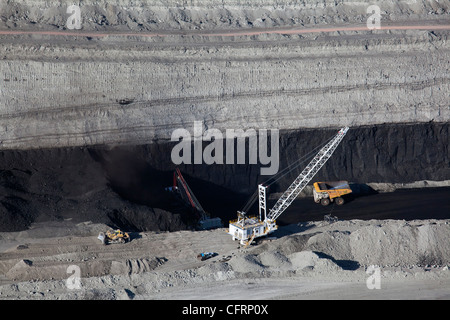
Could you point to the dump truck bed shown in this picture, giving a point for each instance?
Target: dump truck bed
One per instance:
(331, 185)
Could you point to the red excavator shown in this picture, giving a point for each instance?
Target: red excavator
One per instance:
(181, 189)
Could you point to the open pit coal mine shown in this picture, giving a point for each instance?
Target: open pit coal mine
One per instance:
(86, 115)
(124, 186)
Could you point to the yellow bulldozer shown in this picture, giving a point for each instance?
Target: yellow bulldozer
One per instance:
(113, 236)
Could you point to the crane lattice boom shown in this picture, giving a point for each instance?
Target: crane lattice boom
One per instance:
(305, 176)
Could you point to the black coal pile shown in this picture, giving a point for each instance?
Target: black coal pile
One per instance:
(124, 186)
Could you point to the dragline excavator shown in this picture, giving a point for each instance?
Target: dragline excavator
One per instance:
(246, 229)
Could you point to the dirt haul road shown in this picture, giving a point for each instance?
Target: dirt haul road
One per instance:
(309, 260)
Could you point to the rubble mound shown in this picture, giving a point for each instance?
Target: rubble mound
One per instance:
(380, 242)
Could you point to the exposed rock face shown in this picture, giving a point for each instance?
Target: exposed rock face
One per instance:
(58, 92)
(66, 101)
(380, 153)
(90, 96)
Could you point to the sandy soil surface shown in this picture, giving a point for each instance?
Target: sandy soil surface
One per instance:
(304, 261)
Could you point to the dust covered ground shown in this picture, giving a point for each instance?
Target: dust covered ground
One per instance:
(305, 261)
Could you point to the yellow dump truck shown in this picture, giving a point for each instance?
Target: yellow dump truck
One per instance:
(326, 192)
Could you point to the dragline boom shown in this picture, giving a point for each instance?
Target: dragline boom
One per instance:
(305, 176)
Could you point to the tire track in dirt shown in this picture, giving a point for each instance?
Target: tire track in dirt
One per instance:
(233, 33)
(94, 108)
